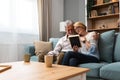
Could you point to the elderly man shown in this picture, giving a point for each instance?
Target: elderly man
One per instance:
(63, 44)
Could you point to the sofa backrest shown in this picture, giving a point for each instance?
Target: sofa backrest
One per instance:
(54, 41)
(117, 48)
(106, 45)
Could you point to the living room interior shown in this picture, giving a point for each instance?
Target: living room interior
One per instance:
(25, 21)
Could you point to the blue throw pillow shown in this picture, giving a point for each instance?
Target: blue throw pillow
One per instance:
(106, 45)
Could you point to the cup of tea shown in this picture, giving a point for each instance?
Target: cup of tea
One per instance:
(48, 60)
(27, 58)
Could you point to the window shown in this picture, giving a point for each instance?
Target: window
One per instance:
(19, 16)
(18, 28)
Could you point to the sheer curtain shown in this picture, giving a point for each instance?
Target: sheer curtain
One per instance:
(18, 28)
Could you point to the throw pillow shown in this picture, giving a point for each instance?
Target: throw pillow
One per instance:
(42, 48)
(106, 44)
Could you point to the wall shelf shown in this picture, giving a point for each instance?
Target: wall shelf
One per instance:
(105, 16)
(104, 4)
(106, 29)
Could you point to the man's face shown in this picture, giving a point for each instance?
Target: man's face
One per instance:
(70, 30)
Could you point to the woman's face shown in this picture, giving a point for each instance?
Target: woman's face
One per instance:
(80, 30)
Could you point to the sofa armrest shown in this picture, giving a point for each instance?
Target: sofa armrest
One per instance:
(32, 50)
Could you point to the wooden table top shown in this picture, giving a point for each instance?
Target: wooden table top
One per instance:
(38, 71)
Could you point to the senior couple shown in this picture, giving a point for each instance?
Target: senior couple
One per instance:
(77, 55)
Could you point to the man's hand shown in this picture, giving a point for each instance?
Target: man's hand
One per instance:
(50, 53)
(75, 48)
(83, 39)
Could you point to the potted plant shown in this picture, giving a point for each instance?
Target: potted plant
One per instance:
(90, 3)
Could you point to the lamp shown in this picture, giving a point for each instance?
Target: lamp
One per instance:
(62, 26)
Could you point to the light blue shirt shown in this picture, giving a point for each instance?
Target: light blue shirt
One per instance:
(93, 50)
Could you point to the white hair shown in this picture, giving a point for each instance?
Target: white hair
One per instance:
(68, 22)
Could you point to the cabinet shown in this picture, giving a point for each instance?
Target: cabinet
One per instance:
(104, 16)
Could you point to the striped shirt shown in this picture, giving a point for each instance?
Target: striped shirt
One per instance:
(62, 45)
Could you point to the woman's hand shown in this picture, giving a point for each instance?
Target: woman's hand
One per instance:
(96, 36)
(83, 39)
(75, 48)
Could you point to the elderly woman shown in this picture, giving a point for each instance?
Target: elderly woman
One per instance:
(85, 54)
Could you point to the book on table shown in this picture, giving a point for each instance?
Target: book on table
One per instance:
(74, 40)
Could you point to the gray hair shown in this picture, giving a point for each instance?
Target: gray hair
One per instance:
(68, 22)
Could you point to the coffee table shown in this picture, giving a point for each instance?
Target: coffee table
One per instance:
(38, 71)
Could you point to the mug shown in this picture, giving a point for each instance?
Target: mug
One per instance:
(27, 58)
(48, 60)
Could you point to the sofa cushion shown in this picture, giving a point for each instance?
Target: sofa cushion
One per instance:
(93, 78)
(106, 44)
(53, 41)
(117, 48)
(111, 71)
(34, 58)
(42, 48)
(94, 68)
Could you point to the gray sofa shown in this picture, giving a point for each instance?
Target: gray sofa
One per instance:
(109, 49)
